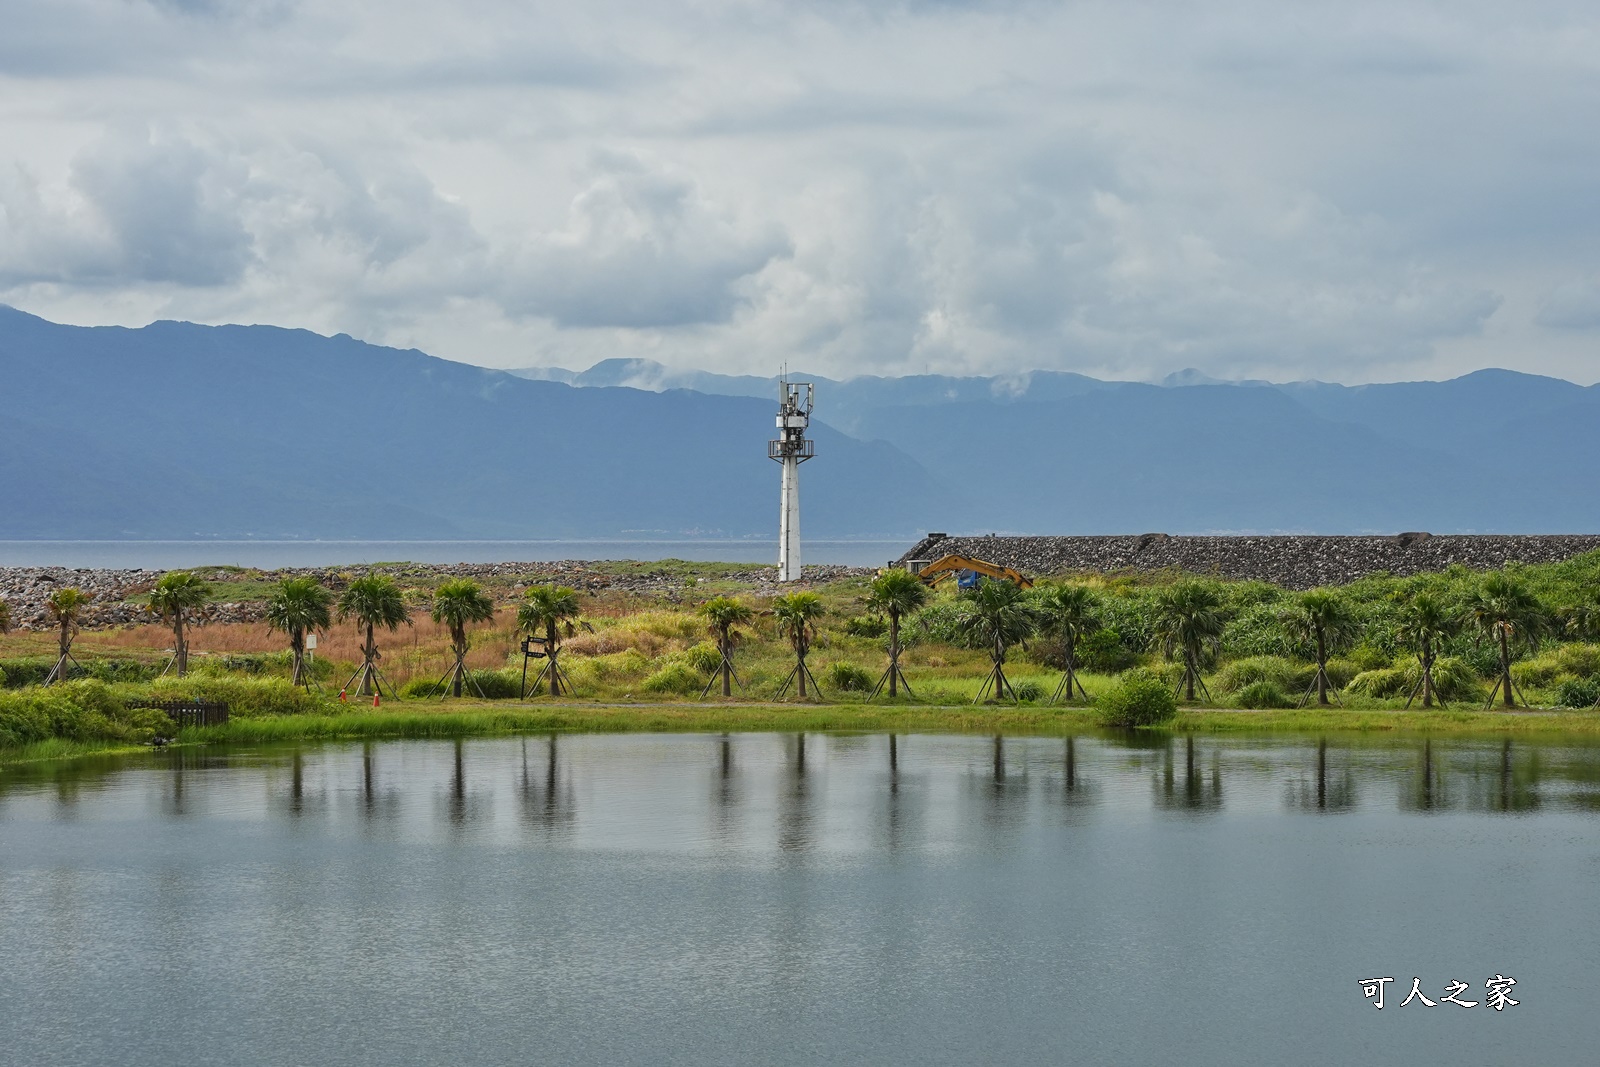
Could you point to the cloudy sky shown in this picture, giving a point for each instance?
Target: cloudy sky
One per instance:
(1345, 190)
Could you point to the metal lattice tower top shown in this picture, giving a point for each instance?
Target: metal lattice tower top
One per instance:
(791, 449)
(794, 416)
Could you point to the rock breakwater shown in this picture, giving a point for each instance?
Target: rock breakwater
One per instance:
(1298, 562)
(26, 589)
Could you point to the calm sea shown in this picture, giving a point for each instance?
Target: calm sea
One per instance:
(821, 899)
(269, 554)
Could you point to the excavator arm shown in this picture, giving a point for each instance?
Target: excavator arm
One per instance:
(942, 568)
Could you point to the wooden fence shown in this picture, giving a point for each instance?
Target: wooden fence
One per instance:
(191, 712)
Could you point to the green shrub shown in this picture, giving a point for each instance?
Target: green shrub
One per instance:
(1104, 652)
(245, 697)
(419, 687)
(1539, 672)
(1241, 673)
(1030, 692)
(1453, 678)
(495, 685)
(866, 626)
(675, 678)
(1578, 693)
(1367, 656)
(703, 657)
(1139, 698)
(122, 670)
(26, 670)
(1380, 682)
(1581, 660)
(848, 678)
(1263, 694)
(1340, 671)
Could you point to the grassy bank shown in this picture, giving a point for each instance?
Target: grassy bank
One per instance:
(488, 720)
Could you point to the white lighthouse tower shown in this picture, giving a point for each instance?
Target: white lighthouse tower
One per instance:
(791, 449)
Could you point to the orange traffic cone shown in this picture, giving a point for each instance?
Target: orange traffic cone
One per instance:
(374, 699)
(341, 694)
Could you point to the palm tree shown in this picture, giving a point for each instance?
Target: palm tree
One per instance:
(552, 609)
(1189, 620)
(66, 608)
(177, 596)
(995, 616)
(1324, 619)
(797, 616)
(895, 593)
(724, 613)
(1502, 609)
(297, 607)
(1426, 624)
(372, 601)
(455, 604)
(1067, 612)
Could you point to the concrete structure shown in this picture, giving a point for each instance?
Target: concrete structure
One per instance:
(791, 449)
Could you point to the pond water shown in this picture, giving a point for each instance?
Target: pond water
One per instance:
(786, 899)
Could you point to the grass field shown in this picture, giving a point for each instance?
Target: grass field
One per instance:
(641, 656)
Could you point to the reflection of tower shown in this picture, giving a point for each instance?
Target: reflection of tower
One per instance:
(791, 449)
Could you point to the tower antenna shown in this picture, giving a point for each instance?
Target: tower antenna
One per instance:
(791, 449)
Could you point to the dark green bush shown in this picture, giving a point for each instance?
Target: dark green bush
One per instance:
(848, 678)
(866, 626)
(121, 670)
(1139, 698)
(26, 670)
(1030, 692)
(496, 685)
(1274, 670)
(1578, 692)
(1258, 695)
(1105, 652)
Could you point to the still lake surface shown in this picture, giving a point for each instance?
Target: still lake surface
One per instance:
(272, 554)
(830, 899)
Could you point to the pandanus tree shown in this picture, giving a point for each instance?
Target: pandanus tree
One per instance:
(457, 604)
(177, 600)
(1324, 620)
(1189, 620)
(65, 607)
(297, 607)
(723, 613)
(1505, 611)
(372, 602)
(996, 616)
(1067, 612)
(895, 593)
(553, 609)
(1425, 624)
(797, 616)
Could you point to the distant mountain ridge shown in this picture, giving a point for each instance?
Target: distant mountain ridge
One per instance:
(179, 430)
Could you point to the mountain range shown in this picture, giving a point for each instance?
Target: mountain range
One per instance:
(176, 430)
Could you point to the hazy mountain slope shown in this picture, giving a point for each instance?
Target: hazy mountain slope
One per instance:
(178, 430)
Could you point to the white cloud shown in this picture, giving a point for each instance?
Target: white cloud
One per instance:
(1335, 190)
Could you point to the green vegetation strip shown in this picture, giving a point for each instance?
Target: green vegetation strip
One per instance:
(670, 718)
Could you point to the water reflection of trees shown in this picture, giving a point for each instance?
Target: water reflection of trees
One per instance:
(1321, 789)
(546, 801)
(1200, 789)
(794, 799)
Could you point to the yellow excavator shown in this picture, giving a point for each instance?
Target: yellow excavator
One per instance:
(968, 569)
